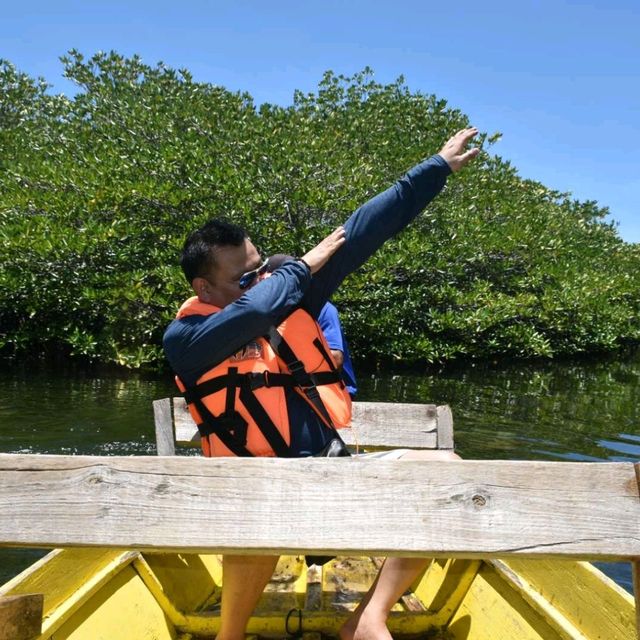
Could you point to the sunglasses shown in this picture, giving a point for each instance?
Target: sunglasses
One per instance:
(247, 279)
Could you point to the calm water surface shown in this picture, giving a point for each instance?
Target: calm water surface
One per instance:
(552, 411)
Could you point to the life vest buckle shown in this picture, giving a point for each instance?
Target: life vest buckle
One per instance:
(258, 380)
(300, 375)
(296, 366)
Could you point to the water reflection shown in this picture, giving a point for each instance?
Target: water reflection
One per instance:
(587, 411)
(550, 411)
(78, 412)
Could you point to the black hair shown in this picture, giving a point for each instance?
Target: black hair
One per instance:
(277, 260)
(197, 258)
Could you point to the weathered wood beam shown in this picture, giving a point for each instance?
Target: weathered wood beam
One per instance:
(165, 437)
(375, 424)
(445, 509)
(21, 616)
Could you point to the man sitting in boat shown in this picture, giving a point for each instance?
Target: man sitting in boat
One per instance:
(257, 373)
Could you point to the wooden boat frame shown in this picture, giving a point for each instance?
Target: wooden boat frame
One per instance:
(501, 512)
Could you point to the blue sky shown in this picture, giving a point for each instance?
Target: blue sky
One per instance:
(560, 80)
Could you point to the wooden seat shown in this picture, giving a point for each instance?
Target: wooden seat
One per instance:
(375, 425)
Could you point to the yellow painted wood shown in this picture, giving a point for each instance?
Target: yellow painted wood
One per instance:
(155, 588)
(574, 596)
(60, 573)
(188, 580)
(444, 585)
(324, 622)
(635, 568)
(426, 586)
(513, 600)
(94, 583)
(562, 626)
(67, 578)
(491, 610)
(287, 588)
(123, 610)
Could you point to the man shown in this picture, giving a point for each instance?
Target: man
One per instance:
(329, 322)
(218, 349)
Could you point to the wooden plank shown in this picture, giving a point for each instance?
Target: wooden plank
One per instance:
(165, 438)
(390, 424)
(69, 578)
(383, 414)
(396, 438)
(575, 598)
(445, 427)
(21, 616)
(459, 509)
(375, 424)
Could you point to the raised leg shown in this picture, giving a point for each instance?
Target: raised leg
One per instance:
(243, 581)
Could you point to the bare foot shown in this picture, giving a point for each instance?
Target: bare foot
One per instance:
(364, 628)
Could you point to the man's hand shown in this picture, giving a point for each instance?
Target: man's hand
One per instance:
(455, 149)
(318, 256)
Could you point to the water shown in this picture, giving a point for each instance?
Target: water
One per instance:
(549, 411)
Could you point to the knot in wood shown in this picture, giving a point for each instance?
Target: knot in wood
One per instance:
(479, 500)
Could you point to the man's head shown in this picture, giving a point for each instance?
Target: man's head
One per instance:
(214, 260)
(277, 260)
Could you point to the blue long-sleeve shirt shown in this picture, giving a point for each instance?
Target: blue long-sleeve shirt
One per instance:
(193, 344)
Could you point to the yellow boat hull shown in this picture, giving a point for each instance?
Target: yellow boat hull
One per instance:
(95, 594)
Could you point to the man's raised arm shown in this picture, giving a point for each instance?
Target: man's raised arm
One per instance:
(386, 214)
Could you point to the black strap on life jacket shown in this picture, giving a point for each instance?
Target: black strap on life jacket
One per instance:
(230, 426)
(222, 427)
(304, 380)
(264, 422)
(257, 380)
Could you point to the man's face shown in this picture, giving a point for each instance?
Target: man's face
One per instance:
(221, 286)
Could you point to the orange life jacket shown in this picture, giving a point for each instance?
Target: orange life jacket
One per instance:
(239, 404)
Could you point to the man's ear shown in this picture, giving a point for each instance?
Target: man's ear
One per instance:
(201, 288)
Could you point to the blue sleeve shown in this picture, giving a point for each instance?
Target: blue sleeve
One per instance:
(194, 343)
(375, 222)
(330, 325)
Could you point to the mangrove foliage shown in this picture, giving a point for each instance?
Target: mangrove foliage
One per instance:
(98, 190)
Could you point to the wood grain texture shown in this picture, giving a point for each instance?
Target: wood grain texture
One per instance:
(344, 505)
(165, 437)
(445, 427)
(374, 424)
(21, 616)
